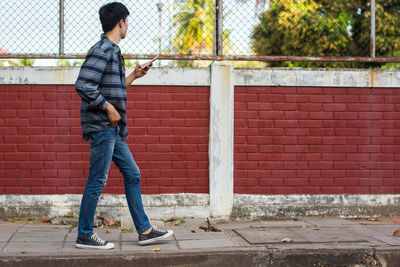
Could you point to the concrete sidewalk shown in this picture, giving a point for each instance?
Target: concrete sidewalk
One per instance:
(315, 242)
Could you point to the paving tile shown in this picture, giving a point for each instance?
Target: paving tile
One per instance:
(215, 243)
(327, 221)
(199, 236)
(33, 247)
(112, 235)
(2, 244)
(385, 229)
(262, 224)
(331, 234)
(383, 233)
(45, 226)
(131, 237)
(300, 235)
(377, 221)
(39, 235)
(6, 233)
(11, 224)
(5, 224)
(269, 235)
(163, 245)
(188, 225)
(72, 235)
(185, 227)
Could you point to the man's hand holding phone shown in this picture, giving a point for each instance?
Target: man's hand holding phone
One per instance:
(150, 63)
(141, 70)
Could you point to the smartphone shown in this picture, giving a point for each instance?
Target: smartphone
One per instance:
(150, 62)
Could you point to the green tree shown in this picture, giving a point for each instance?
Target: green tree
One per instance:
(195, 32)
(21, 62)
(195, 22)
(326, 28)
(387, 21)
(78, 63)
(67, 63)
(129, 63)
(63, 63)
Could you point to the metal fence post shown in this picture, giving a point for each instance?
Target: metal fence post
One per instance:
(61, 34)
(372, 28)
(218, 29)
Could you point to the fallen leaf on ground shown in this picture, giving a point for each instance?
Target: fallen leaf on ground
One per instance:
(287, 239)
(177, 222)
(375, 219)
(109, 222)
(396, 233)
(214, 229)
(171, 219)
(193, 231)
(156, 249)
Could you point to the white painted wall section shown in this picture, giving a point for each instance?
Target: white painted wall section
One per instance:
(201, 77)
(221, 139)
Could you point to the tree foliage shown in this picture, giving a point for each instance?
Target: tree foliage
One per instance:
(21, 62)
(67, 63)
(326, 28)
(195, 21)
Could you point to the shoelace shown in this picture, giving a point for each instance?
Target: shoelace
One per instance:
(158, 230)
(98, 239)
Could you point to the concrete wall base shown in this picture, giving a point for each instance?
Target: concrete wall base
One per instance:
(198, 205)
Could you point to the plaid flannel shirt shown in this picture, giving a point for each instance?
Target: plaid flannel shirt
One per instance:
(101, 80)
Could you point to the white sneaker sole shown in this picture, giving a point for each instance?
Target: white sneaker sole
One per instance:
(108, 246)
(149, 241)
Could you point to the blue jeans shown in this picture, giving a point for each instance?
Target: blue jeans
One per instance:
(107, 145)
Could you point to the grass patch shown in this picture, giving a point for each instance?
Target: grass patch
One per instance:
(71, 227)
(68, 215)
(126, 230)
(24, 219)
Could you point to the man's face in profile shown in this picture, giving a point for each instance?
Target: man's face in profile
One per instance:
(124, 29)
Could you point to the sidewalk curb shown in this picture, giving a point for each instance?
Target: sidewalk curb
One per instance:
(231, 258)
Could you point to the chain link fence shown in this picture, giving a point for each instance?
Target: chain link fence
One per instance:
(265, 30)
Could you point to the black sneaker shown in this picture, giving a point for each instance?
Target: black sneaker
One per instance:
(154, 235)
(93, 241)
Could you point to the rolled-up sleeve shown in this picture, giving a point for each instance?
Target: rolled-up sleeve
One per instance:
(87, 84)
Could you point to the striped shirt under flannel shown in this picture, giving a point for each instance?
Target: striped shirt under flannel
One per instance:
(102, 79)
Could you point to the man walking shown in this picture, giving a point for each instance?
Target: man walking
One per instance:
(102, 86)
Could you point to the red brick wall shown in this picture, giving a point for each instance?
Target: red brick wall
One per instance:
(288, 140)
(42, 152)
(312, 140)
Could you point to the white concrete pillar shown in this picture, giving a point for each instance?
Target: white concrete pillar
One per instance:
(221, 139)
